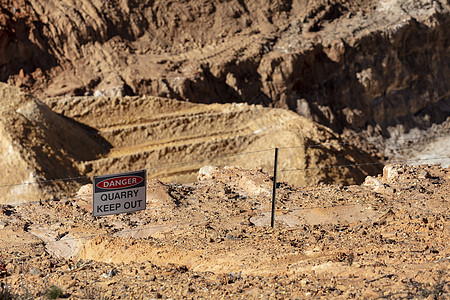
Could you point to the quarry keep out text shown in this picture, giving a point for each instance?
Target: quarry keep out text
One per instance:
(119, 193)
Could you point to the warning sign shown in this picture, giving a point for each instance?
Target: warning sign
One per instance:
(119, 193)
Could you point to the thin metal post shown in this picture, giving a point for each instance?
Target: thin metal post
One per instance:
(274, 190)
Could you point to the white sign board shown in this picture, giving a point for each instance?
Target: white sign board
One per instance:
(119, 193)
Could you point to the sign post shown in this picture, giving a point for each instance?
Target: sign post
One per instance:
(119, 193)
(274, 190)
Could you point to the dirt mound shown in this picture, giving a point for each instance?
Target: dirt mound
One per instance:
(214, 240)
(37, 146)
(43, 150)
(174, 139)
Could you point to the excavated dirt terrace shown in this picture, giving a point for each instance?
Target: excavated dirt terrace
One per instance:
(53, 149)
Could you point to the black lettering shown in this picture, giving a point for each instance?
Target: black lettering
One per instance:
(117, 206)
(135, 192)
(105, 208)
(123, 195)
(99, 209)
(104, 197)
(126, 205)
(130, 194)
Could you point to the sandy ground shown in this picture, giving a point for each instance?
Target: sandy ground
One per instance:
(387, 238)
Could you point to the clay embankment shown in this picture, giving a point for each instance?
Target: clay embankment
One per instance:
(37, 146)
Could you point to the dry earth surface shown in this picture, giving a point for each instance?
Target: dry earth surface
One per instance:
(387, 238)
(342, 87)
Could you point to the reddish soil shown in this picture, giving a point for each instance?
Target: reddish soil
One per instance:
(387, 238)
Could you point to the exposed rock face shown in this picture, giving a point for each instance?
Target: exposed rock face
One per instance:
(24, 48)
(346, 64)
(383, 78)
(389, 93)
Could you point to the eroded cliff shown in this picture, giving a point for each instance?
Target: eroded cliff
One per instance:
(346, 64)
